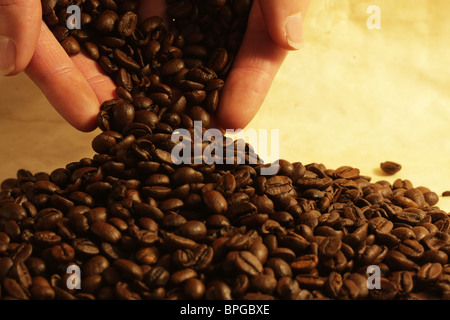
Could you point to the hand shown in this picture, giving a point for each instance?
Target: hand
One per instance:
(76, 85)
(274, 29)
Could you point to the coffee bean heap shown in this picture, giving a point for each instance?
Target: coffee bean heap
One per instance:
(139, 226)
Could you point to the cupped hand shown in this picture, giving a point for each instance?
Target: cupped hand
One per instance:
(76, 85)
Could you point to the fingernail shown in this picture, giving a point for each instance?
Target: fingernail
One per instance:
(7, 55)
(294, 31)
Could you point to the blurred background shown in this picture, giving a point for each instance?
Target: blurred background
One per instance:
(353, 95)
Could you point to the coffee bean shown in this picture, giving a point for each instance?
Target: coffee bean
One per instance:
(128, 268)
(390, 167)
(127, 24)
(305, 263)
(12, 211)
(105, 231)
(246, 262)
(106, 21)
(215, 202)
(62, 253)
(194, 289)
(429, 272)
(71, 46)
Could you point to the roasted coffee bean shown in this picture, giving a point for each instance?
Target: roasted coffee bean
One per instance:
(62, 253)
(195, 230)
(46, 238)
(246, 262)
(215, 202)
(330, 246)
(105, 231)
(106, 21)
(411, 248)
(127, 24)
(171, 67)
(386, 291)
(218, 290)
(305, 263)
(13, 211)
(194, 289)
(429, 272)
(436, 240)
(71, 46)
(128, 268)
(390, 167)
(263, 283)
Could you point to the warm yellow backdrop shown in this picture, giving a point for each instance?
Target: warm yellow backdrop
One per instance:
(352, 96)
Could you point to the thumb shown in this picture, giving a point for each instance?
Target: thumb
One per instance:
(284, 21)
(20, 22)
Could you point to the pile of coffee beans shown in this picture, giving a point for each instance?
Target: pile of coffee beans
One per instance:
(129, 223)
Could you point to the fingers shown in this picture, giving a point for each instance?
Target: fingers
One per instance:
(20, 22)
(284, 21)
(274, 28)
(69, 85)
(249, 81)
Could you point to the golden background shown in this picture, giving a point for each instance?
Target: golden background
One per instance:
(352, 96)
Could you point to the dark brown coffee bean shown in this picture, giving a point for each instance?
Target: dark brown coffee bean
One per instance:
(71, 46)
(13, 289)
(246, 262)
(41, 289)
(215, 202)
(12, 211)
(127, 24)
(63, 253)
(330, 246)
(180, 276)
(387, 290)
(198, 113)
(106, 21)
(434, 255)
(219, 59)
(411, 248)
(398, 261)
(128, 268)
(171, 67)
(429, 272)
(403, 280)
(195, 230)
(46, 238)
(305, 263)
(105, 231)
(92, 50)
(194, 289)
(85, 247)
(436, 240)
(218, 290)
(263, 283)
(390, 167)
(6, 264)
(347, 172)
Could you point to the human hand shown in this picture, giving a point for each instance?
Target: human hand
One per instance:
(76, 85)
(274, 29)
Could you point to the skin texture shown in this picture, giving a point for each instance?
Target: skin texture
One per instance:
(76, 86)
